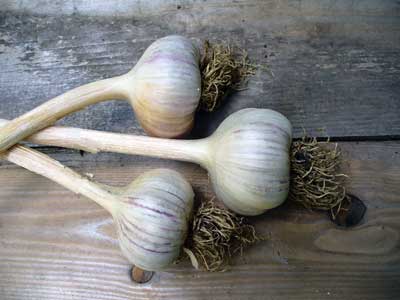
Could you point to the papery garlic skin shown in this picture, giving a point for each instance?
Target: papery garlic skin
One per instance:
(153, 218)
(167, 87)
(250, 166)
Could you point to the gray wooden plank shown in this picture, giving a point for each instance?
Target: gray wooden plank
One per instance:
(336, 63)
(157, 8)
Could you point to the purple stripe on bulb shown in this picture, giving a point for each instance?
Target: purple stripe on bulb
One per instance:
(141, 247)
(163, 213)
(272, 125)
(127, 232)
(161, 228)
(173, 194)
(167, 199)
(173, 57)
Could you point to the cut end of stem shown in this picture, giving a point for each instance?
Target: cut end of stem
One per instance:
(223, 68)
(216, 235)
(316, 182)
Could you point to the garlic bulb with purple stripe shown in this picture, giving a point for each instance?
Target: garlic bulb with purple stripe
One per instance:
(151, 214)
(164, 89)
(153, 217)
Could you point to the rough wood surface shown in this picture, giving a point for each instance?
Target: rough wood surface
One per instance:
(336, 72)
(336, 64)
(56, 245)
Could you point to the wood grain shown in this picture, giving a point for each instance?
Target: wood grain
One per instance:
(335, 63)
(335, 67)
(57, 245)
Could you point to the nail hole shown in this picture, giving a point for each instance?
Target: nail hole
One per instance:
(351, 212)
(140, 276)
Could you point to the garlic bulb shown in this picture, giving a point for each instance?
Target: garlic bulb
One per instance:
(249, 165)
(247, 157)
(151, 214)
(164, 89)
(165, 86)
(153, 217)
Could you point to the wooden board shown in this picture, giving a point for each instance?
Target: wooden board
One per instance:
(56, 245)
(336, 72)
(336, 64)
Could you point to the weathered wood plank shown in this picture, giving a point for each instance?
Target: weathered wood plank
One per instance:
(335, 63)
(56, 245)
(336, 66)
(157, 8)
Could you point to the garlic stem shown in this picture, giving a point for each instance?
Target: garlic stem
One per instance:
(163, 89)
(42, 164)
(247, 157)
(95, 141)
(53, 110)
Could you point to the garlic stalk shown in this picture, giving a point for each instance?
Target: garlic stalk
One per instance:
(151, 214)
(247, 157)
(163, 88)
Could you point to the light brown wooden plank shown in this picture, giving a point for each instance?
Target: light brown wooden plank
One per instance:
(56, 245)
(335, 63)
